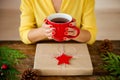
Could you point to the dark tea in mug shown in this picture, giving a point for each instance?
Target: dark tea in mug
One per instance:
(59, 20)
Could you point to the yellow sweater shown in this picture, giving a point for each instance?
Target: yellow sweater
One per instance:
(35, 11)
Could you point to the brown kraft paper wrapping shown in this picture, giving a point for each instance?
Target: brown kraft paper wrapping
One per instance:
(45, 60)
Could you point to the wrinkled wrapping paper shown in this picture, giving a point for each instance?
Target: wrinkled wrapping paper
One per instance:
(46, 62)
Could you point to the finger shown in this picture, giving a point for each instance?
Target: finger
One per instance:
(50, 37)
(48, 34)
(71, 33)
(70, 29)
(49, 30)
(67, 39)
(47, 26)
(72, 24)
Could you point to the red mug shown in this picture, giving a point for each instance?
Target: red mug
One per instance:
(61, 22)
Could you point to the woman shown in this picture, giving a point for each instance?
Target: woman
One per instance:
(33, 29)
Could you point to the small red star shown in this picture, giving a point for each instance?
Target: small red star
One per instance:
(63, 59)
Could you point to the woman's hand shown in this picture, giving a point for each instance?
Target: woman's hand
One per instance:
(71, 31)
(42, 33)
(47, 30)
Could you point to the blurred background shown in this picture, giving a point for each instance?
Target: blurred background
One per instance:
(107, 15)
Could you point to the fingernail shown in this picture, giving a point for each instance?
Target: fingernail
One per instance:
(65, 38)
(52, 37)
(66, 33)
(53, 33)
(70, 24)
(66, 29)
(51, 26)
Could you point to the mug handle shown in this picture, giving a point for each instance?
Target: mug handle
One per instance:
(78, 32)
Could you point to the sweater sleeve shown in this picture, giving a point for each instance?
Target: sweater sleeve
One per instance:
(89, 20)
(27, 20)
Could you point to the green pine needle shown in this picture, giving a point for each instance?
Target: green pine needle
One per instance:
(10, 57)
(112, 63)
(11, 74)
(106, 78)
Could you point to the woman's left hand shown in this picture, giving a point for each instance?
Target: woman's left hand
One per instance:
(71, 31)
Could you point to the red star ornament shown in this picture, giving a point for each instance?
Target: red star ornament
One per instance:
(63, 59)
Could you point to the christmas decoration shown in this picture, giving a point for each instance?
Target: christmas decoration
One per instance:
(4, 67)
(8, 59)
(106, 78)
(112, 63)
(11, 55)
(30, 74)
(54, 59)
(106, 46)
(63, 59)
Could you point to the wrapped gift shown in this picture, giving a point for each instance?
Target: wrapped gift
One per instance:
(63, 59)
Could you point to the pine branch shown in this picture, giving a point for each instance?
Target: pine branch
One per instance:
(11, 74)
(11, 55)
(106, 78)
(112, 63)
(8, 58)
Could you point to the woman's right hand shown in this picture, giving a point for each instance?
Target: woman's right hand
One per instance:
(38, 34)
(47, 30)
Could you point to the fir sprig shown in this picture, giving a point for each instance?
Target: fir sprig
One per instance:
(9, 57)
(10, 74)
(106, 78)
(112, 63)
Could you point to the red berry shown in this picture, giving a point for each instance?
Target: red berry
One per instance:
(4, 66)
